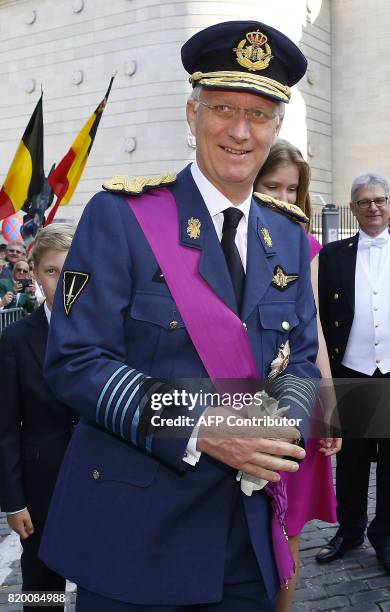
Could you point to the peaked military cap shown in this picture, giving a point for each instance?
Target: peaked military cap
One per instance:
(244, 56)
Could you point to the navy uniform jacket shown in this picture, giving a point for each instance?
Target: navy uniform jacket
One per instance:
(35, 427)
(129, 518)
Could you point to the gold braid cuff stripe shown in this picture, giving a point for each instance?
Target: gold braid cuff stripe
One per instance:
(242, 79)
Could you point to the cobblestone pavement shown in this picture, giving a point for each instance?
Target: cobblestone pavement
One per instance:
(356, 583)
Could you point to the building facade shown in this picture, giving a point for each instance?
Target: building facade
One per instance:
(72, 47)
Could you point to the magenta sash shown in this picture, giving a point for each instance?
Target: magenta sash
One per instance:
(217, 333)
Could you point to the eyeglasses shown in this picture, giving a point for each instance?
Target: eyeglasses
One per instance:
(366, 202)
(22, 271)
(225, 111)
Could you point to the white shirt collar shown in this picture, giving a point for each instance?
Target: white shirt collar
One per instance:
(47, 312)
(215, 201)
(384, 234)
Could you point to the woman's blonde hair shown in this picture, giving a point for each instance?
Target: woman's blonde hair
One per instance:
(283, 152)
(56, 236)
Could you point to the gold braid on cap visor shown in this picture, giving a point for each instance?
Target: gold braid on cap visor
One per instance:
(236, 80)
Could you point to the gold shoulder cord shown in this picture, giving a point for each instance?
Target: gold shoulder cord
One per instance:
(291, 210)
(135, 185)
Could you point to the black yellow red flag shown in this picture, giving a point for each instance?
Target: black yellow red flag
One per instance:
(26, 174)
(67, 174)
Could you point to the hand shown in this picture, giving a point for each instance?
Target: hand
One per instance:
(330, 446)
(7, 299)
(21, 523)
(18, 287)
(30, 289)
(254, 450)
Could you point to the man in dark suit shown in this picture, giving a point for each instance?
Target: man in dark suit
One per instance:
(144, 516)
(354, 298)
(35, 427)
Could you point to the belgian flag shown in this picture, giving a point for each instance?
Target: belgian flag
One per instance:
(26, 175)
(67, 174)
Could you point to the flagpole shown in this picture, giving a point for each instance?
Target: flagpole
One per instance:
(78, 154)
(52, 213)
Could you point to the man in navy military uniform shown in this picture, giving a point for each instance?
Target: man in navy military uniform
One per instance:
(145, 516)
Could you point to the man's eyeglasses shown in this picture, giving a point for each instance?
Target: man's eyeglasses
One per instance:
(366, 203)
(22, 271)
(254, 115)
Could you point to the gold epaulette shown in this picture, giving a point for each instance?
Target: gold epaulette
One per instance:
(135, 185)
(291, 210)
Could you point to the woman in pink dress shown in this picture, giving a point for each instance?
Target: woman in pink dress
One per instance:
(286, 176)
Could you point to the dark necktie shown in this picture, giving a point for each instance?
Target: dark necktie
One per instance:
(232, 218)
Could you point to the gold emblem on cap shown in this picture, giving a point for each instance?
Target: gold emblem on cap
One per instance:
(266, 236)
(193, 228)
(252, 56)
(281, 279)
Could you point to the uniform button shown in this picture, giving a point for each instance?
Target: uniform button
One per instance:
(376, 343)
(375, 308)
(174, 325)
(336, 323)
(377, 360)
(244, 326)
(95, 474)
(376, 325)
(336, 350)
(286, 325)
(336, 296)
(375, 292)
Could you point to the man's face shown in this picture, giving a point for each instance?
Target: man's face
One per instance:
(374, 219)
(230, 151)
(15, 252)
(48, 272)
(21, 270)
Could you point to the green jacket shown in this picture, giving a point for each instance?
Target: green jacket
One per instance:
(23, 300)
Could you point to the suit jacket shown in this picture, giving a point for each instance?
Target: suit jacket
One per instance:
(336, 290)
(34, 426)
(111, 346)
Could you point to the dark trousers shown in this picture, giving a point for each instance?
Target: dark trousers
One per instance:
(248, 597)
(36, 575)
(362, 412)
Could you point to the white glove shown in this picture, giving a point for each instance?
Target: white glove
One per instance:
(268, 407)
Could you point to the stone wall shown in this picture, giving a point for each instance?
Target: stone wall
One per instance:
(361, 91)
(72, 47)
